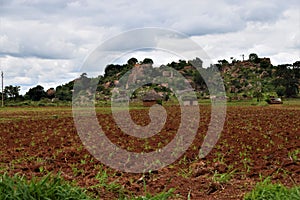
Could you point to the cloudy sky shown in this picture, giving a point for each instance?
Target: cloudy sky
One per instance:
(47, 42)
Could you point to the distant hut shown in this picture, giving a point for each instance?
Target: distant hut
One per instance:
(151, 98)
(167, 74)
(189, 101)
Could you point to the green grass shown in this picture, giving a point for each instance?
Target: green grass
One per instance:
(291, 102)
(265, 190)
(223, 178)
(54, 187)
(253, 102)
(46, 188)
(102, 177)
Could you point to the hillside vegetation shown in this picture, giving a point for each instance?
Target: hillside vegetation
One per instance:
(252, 78)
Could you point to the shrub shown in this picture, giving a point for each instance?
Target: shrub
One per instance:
(159, 101)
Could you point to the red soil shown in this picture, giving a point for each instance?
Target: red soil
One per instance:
(255, 142)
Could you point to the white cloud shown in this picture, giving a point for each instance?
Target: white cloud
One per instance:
(265, 39)
(29, 72)
(47, 42)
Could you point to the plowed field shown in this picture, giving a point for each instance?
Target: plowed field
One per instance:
(256, 142)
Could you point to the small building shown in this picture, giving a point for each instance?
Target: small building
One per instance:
(151, 98)
(121, 99)
(120, 96)
(189, 101)
(167, 74)
(215, 99)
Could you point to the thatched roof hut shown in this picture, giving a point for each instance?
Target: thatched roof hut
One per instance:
(151, 98)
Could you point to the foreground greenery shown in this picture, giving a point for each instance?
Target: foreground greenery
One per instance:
(265, 190)
(18, 187)
(54, 187)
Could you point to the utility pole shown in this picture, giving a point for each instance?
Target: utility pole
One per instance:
(2, 89)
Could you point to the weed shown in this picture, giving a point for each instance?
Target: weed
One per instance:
(76, 171)
(220, 158)
(294, 155)
(83, 162)
(160, 196)
(41, 169)
(185, 173)
(268, 191)
(102, 178)
(223, 178)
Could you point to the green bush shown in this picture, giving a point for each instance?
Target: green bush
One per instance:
(46, 188)
(41, 104)
(159, 101)
(265, 190)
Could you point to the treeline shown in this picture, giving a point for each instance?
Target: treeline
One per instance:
(253, 77)
(37, 93)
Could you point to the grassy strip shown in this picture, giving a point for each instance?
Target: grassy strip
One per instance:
(46, 188)
(54, 187)
(265, 190)
(114, 187)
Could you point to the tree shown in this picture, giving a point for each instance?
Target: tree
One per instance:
(84, 81)
(83, 75)
(258, 94)
(178, 66)
(36, 93)
(223, 62)
(253, 57)
(296, 69)
(147, 61)
(12, 91)
(64, 92)
(132, 61)
(197, 62)
(111, 69)
(280, 91)
(182, 63)
(198, 79)
(265, 64)
(286, 77)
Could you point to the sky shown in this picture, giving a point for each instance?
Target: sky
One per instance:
(47, 42)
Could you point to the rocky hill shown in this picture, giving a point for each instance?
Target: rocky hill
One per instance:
(252, 78)
(255, 77)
